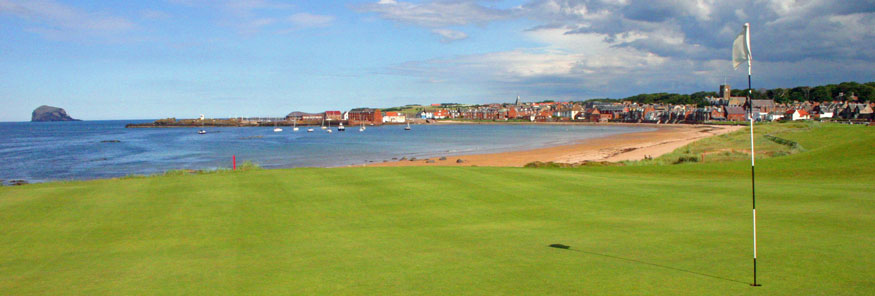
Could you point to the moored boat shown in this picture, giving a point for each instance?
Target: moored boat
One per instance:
(276, 128)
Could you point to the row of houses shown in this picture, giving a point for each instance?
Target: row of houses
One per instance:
(767, 110)
(369, 116)
(762, 110)
(723, 107)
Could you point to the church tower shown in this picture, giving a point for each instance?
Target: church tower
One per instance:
(725, 92)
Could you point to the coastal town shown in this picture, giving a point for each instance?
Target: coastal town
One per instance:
(720, 108)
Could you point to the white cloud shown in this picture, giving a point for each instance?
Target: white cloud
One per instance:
(613, 47)
(57, 20)
(254, 16)
(437, 14)
(703, 26)
(306, 20)
(246, 16)
(580, 59)
(240, 7)
(448, 35)
(434, 14)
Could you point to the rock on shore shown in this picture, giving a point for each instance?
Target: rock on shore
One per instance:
(49, 113)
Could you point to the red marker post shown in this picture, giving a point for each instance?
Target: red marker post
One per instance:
(234, 161)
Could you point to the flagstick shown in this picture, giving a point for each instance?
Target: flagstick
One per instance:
(752, 157)
(753, 184)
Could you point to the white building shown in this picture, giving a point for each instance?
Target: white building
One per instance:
(797, 114)
(774, 116)
(566, 113)
(394, 117)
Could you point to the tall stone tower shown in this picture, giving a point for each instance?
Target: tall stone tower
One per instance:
(725, 91)
(517, 103)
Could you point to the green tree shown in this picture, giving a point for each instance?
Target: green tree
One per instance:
(759, 95)
(866, 93)
(800, 93)
(821, 93)
(780, 95)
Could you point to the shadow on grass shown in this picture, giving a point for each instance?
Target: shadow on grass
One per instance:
(568, 248)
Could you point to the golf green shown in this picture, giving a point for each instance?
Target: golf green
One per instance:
(666, 229)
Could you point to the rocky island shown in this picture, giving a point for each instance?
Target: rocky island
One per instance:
(49, 113)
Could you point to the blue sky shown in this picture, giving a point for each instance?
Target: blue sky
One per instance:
(181, 58)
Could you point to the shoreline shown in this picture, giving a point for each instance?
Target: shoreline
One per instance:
(611, 148)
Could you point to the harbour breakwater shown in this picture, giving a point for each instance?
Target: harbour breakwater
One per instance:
(234, 122)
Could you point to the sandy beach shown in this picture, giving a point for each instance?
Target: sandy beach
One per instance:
(629, 146)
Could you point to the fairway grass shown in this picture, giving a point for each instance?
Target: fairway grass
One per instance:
(658, 229)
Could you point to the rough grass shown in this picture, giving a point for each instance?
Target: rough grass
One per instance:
(669, 230)
(770, 138)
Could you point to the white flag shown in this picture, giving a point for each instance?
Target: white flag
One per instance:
(741, 48)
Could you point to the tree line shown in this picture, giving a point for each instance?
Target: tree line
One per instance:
(865, 92)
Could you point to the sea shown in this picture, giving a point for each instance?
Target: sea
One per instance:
(52, 151)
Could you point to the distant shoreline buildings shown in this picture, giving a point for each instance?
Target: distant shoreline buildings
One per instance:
(720, 108)
(723, 107)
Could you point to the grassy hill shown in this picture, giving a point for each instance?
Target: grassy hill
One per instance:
(651, 229)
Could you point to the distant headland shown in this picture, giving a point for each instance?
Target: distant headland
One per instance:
(49, 113)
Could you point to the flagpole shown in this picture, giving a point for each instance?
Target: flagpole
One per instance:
(752, 156)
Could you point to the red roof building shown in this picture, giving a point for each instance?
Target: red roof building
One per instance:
(441, 114)
(365, 115)
(333, 115)
(735, 113)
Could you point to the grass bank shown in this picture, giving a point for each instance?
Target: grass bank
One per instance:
(772, 140)
(650, 229)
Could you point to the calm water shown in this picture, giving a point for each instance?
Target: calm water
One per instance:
(73, 150)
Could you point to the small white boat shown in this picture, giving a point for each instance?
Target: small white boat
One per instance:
(310, 130)
(328, 130)
(295, 126)
(341, 128)
(323, 123)
(408, 126)
(202, 131)
(276, 129)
